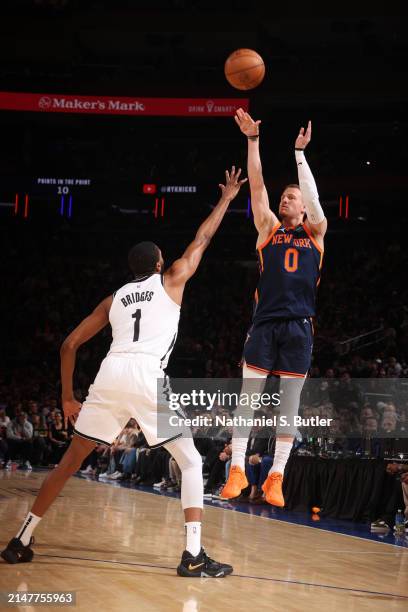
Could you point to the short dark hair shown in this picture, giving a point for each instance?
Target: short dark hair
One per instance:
(143, 257)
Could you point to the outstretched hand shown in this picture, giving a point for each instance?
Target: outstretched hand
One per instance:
(246, 124)
(304, 138)
(232, 184)
(71, 410)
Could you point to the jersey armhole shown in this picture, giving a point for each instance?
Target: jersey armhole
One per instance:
(269, 238)
(312, 238)
(166, 294)
(113, 299)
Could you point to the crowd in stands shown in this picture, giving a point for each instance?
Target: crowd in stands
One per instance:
(35, 435)
(49, 293)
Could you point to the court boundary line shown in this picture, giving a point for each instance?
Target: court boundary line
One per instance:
(281, 580)
(209, 505)
(347, 535)
(264, 578)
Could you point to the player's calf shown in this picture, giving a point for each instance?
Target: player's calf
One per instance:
(19, 550)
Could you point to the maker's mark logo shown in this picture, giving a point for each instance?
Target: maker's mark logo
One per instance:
(45, 102)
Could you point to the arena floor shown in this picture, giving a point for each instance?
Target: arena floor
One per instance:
(118, 548)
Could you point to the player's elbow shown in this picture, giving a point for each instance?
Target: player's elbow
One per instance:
(68, 346)
(202, 240)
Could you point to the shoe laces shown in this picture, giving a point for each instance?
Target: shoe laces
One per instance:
(276, 476)
(207, 559)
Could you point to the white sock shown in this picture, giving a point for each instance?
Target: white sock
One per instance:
(193, 537)
(239, 446)
(282, 452)
(30, 523)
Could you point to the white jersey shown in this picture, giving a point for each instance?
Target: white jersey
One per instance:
(144, 319)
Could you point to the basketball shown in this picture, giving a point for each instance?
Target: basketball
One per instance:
(244, 69)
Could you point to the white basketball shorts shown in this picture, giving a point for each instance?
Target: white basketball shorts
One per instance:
(125, 387)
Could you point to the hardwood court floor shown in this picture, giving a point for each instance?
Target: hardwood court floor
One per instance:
(118, 549)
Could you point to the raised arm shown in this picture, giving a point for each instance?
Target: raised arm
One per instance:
(183, 269)
(316, 220)
(264, 218)
(87, 329)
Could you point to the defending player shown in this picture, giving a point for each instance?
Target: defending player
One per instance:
(144, 315)
(280, 340)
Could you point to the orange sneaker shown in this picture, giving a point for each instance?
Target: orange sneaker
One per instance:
(272, 487)
(235, 483)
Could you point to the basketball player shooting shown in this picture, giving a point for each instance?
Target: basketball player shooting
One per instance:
(280, 339)
(144, 316)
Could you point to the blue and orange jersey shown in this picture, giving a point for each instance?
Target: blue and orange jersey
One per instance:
(290, 262)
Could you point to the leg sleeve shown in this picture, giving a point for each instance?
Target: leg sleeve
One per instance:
(189, 461)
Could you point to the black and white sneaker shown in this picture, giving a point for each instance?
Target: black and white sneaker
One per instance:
(380, 525)
(202, 566)
(16, 552)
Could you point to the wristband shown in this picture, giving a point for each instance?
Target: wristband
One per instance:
(253, 137)
(298, 149)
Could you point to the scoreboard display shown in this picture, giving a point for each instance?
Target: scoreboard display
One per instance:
(51, 196)
(63, 186)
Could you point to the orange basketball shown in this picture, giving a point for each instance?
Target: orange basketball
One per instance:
(244, 69)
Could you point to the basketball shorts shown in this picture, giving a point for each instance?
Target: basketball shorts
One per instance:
(127, 387)
(280, 346)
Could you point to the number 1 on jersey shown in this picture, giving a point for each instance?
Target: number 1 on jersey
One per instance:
(136, 316)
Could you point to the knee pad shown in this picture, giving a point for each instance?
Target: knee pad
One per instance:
(290, 390)
(253, 383)
(185, 453)
(190, 463)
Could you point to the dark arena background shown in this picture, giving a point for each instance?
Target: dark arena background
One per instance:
(117, 126)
